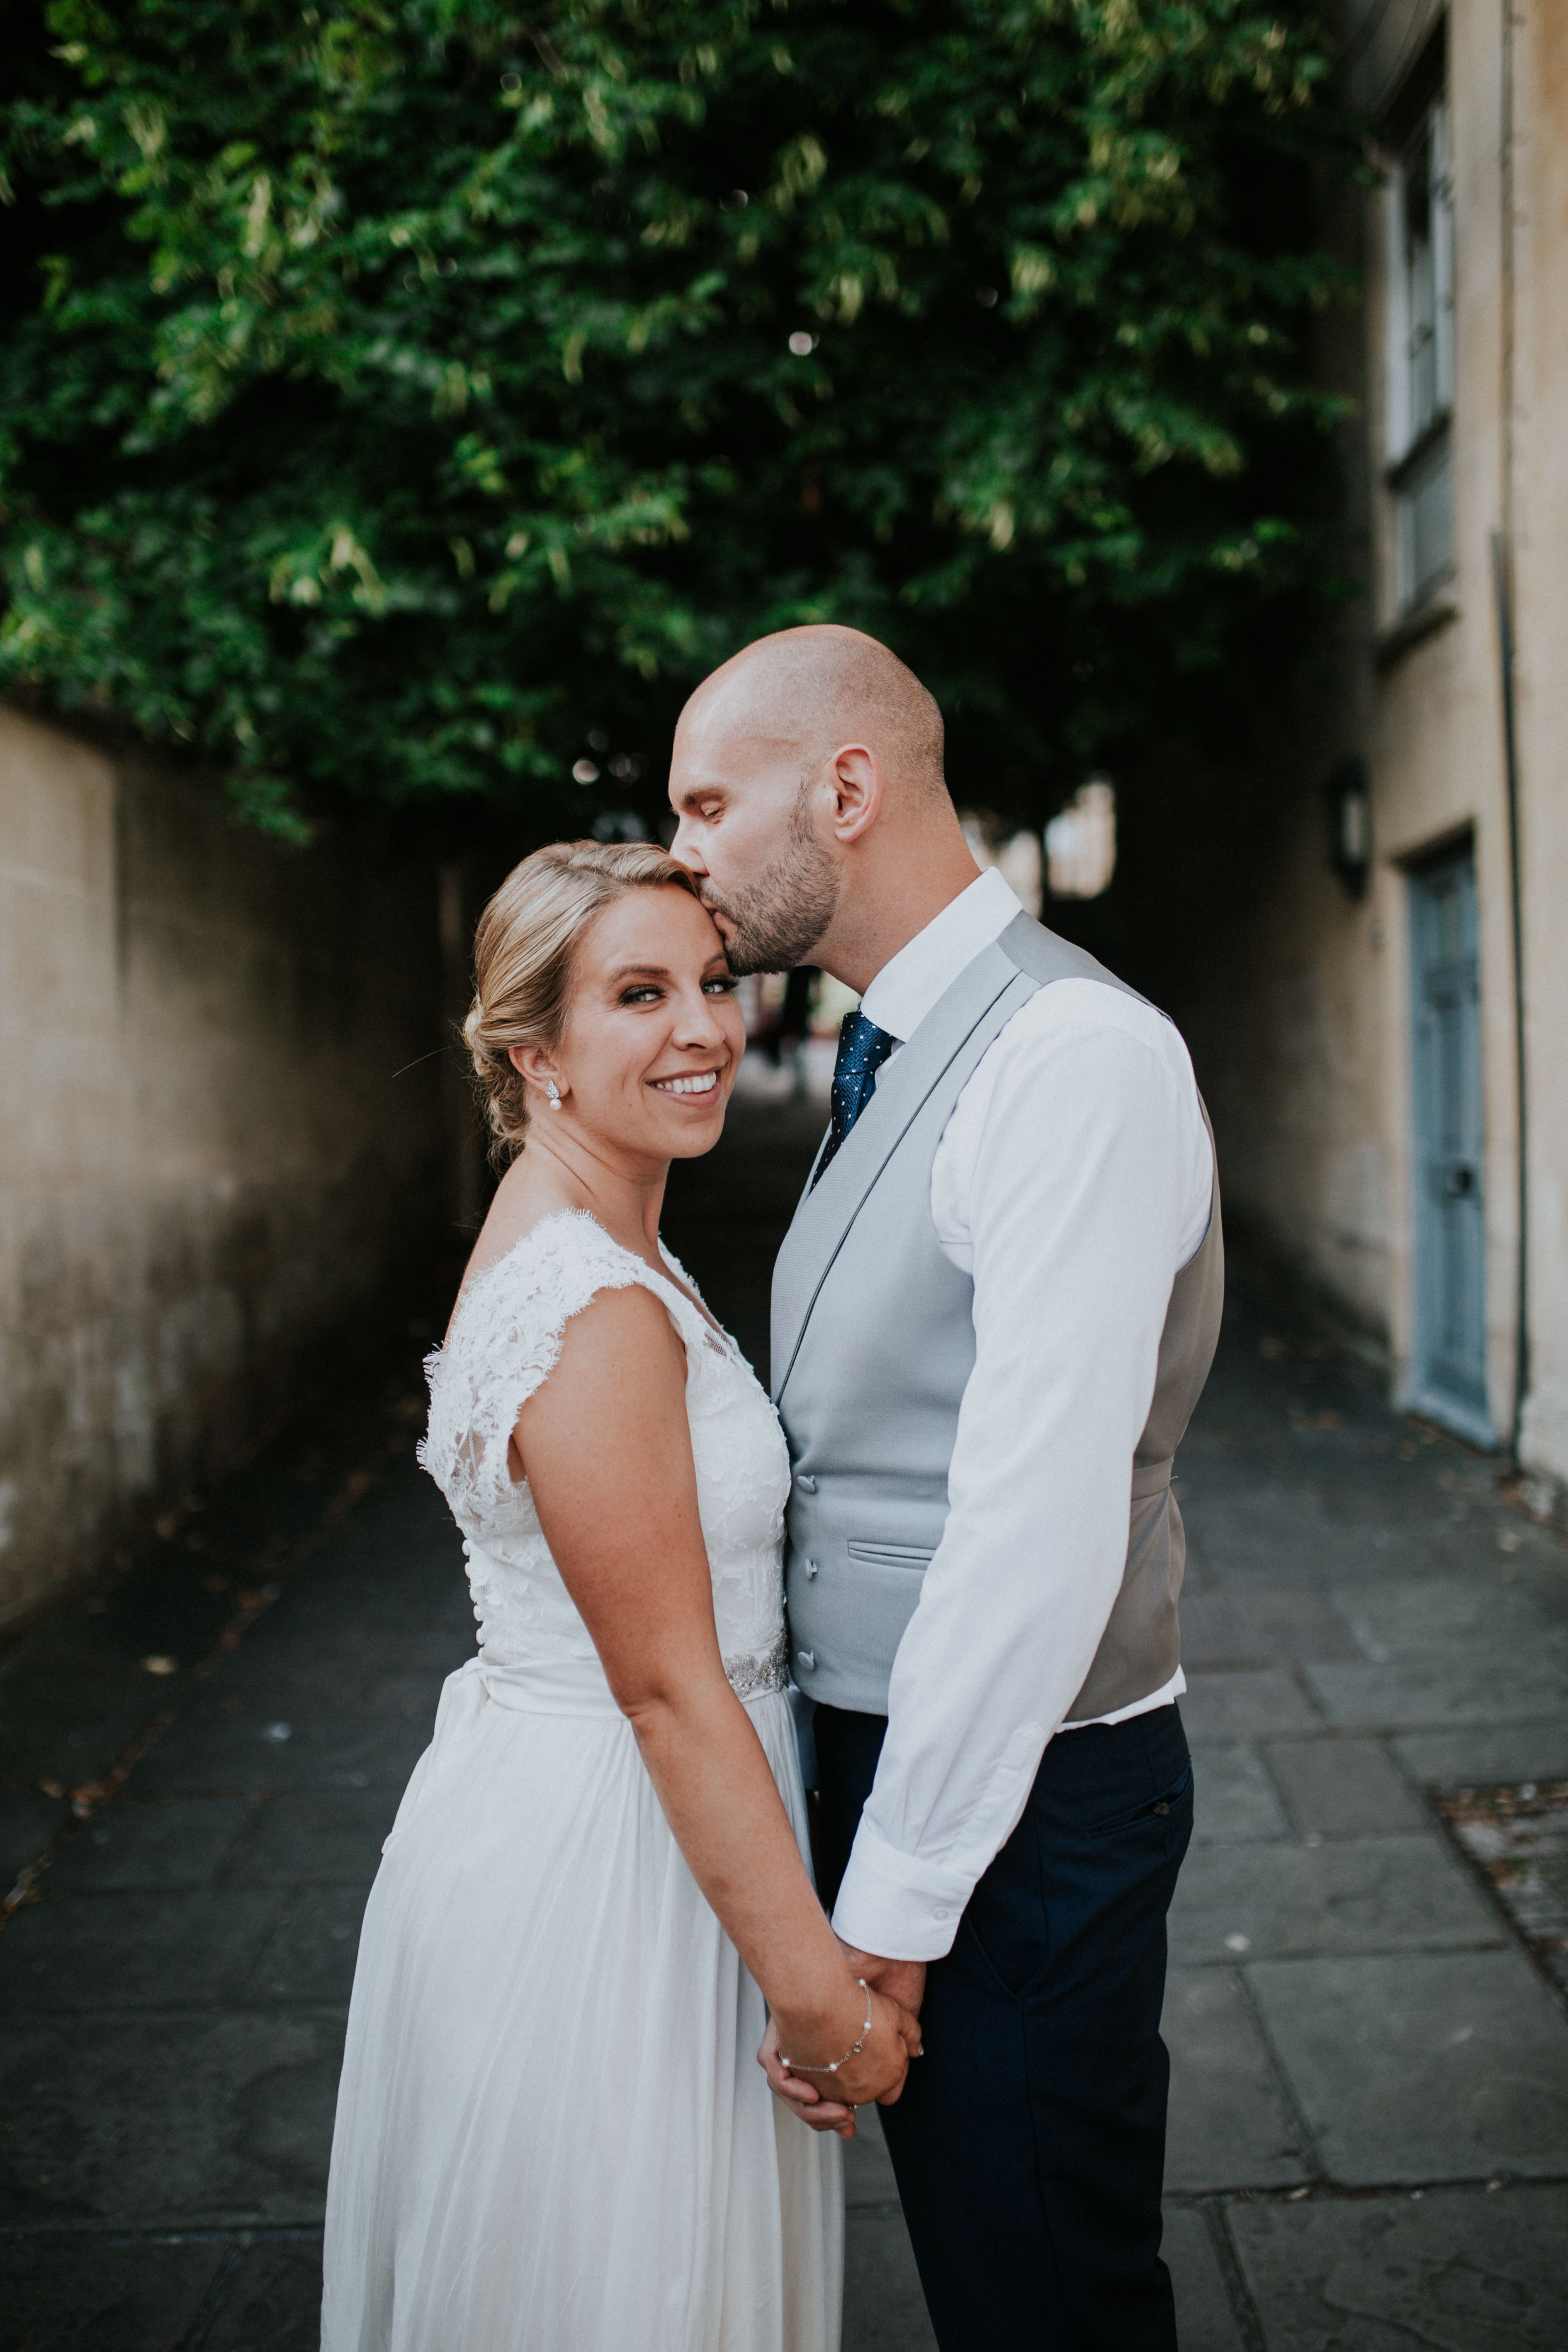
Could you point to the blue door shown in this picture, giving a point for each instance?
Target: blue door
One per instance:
(1449, 1371)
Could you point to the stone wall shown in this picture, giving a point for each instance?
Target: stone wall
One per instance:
(213, 1146)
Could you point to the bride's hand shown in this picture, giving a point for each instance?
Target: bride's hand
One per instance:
(827, 2101)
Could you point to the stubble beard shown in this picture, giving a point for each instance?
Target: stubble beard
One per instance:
(778, 919)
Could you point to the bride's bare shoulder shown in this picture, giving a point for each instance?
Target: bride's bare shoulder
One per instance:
(523, 1200)
(526, 1220)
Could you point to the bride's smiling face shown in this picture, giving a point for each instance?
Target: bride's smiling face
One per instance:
(653, 1037)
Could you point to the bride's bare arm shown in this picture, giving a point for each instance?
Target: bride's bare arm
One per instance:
(607, 1449)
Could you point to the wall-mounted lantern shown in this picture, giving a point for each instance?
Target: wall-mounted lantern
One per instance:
(1350, 826)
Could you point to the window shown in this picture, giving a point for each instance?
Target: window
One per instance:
(1420, 389)
(1080, 844)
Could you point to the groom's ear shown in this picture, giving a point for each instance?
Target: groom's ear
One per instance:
(857, 778)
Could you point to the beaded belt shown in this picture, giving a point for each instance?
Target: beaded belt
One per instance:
(763, 1670)
(577, 1686)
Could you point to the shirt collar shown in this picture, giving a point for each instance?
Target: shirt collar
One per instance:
(921, 974)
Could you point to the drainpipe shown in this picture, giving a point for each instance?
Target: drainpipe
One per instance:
(1511, 763)
(1503, 583)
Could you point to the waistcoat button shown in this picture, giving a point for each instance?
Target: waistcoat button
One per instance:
(804, 1658)
(810, 1568)
(1161, 1809)
(806, 1483)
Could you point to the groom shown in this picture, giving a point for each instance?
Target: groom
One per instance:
(992, 1316)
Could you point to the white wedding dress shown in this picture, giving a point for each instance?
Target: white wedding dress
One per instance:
(553, 2135)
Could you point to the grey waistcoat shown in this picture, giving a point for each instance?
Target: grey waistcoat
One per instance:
(873, 1344)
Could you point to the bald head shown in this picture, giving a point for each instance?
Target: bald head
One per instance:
(807, 784)
(809, 691)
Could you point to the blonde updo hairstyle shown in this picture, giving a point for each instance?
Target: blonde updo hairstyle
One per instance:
(525, 950)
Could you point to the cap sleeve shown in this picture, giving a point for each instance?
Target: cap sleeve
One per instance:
(504, 1343)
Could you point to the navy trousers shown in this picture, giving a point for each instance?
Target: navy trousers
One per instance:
(1030, 2139)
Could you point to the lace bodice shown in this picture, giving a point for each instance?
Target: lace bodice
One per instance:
(505, 1340)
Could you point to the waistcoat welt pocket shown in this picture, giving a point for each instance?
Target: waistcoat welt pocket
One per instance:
(876, 1554)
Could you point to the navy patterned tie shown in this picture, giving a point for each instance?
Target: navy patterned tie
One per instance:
(862, 1050)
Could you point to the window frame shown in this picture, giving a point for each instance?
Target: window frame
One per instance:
(1417, 340)
(1405, 435)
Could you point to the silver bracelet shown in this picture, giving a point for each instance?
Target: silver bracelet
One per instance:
(853, 2052)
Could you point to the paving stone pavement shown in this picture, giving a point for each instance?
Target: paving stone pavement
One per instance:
(1369, 2120)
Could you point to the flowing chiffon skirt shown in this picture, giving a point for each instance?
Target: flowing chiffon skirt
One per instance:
(553, 2135)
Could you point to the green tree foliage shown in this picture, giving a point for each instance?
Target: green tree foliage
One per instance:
(398, 394)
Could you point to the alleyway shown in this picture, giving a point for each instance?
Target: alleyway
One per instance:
(1369, 2142)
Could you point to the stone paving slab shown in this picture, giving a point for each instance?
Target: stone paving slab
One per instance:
(1272, 1533)
(1417, 1692)
(1447, 1616)
(257, 1751)
(335, 1619)
(1422, 2066)
(867, 2167)
(272, 2303)
(68, 1727)
(1455, 2272)
(1366, 1895)
(1344, 1787)
(310, 1835)
(310, 1947)
(1235, 1802)
(1245, 1706)
(1231, 2124)
(1204, 2321)
(1247, 1549)
(65, 2298)
(28, 1820)
(383, 1674)
(161, 2123)
(1485, 1756)
(884, 2310)
(94, 1954)
(78, 1689)
(130, 1844)
(1279, 1626)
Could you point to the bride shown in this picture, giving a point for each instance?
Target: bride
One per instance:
(552, 2135)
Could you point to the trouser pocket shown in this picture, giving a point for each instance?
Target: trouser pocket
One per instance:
(1093, 1862)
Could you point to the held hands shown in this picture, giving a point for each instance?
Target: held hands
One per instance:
(903, 1981)
(826, 2097)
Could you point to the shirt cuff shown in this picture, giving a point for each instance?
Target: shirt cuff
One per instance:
(896, 1907)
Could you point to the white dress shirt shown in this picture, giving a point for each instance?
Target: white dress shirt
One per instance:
(1073, 1181)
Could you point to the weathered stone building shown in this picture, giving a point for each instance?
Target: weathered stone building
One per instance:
(1381, 1019)
(220, 1130)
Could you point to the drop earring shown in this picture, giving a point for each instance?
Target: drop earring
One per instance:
(553, 1091)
